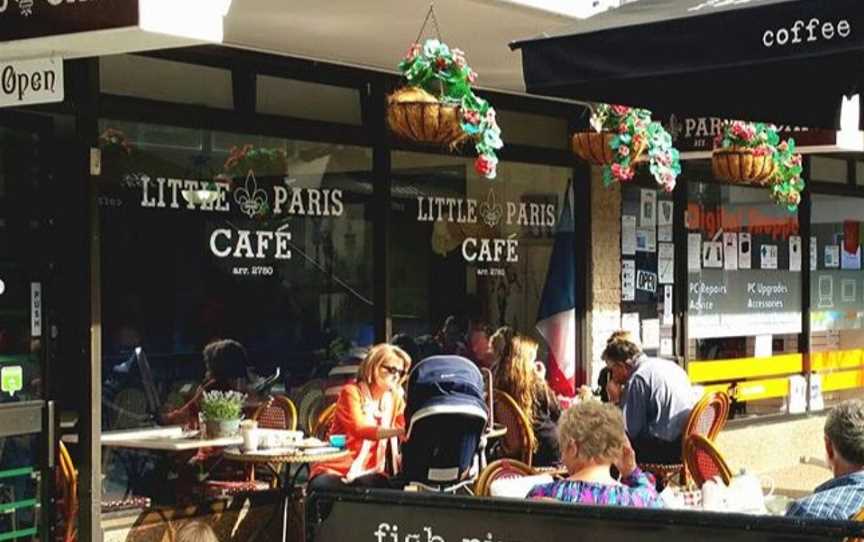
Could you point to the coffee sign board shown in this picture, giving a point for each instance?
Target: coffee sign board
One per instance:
(25, 19)
(35, 81)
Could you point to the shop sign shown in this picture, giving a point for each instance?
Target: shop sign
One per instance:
(11, 379)
(745, 302)
(34, 81)
(255, 202)
(697, 133)
(486, 216)
(25, 19)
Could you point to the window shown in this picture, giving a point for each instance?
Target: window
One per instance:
(210, 235)
(470, 252)
(836, 300)
(744, 294)
(301, 99)
(829, 170)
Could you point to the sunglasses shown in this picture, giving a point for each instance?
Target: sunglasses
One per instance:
(393, 371)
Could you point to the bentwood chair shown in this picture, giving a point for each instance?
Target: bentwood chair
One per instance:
(67, 485)
(519, 441)
(277, 412)
(706, 419)
(324, 423)
(859, 517)
(704, 461)
(499, 470)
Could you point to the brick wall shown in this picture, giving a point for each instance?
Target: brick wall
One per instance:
(605, 305)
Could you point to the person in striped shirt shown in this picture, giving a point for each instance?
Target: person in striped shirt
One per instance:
(843, 496)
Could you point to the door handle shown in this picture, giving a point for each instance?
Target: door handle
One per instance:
(50, 434)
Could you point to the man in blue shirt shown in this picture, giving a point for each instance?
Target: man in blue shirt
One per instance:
(843, 496)
(657, 399)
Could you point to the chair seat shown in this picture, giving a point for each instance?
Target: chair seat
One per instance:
(130, 503)
(227, 488)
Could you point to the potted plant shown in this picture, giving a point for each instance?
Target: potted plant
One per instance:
(751, 152)
(222, 411)
(260, 160)
(438, 106)
(744, 152)
(620, 138)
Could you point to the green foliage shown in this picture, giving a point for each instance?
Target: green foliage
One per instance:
(222, 406)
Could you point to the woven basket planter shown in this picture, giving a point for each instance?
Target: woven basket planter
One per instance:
(594, 148)
(741, 165)
(416, 115)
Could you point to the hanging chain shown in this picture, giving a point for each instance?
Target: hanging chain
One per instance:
(430, 14)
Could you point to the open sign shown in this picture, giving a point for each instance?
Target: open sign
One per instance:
(31, 81)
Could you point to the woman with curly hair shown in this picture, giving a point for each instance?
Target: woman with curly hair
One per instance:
(518, 377)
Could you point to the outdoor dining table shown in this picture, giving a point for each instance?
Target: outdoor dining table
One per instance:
(298, 458)
(169, 439)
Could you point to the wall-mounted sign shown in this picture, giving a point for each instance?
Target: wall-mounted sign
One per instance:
(24, 19)
(36, 309)
(697, 133)
(34, 81)
(11, 379)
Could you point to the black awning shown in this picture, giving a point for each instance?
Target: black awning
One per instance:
(782, 61)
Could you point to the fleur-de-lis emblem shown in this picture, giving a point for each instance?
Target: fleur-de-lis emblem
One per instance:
(251, 199)
(490, 210)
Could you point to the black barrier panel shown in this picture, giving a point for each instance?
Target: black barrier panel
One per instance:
(389, 516)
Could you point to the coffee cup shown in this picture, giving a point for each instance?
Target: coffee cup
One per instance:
(251, 437)
(338, 441)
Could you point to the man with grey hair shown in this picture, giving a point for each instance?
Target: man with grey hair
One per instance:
(843, 496)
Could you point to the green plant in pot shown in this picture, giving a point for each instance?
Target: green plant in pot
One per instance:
(222, 412)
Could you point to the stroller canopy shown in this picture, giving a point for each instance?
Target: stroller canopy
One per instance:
(445, 385)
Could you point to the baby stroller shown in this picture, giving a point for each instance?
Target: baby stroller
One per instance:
(446, 416)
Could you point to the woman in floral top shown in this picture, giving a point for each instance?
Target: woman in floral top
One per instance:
(592, 439)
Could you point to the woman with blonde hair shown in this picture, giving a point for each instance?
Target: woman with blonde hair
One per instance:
(518, 377)
(370, 413)
(592, 439)
(196, 531)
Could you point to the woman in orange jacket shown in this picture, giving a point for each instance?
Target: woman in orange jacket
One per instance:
(370, 414)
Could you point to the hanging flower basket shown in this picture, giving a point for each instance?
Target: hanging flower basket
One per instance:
(742, 165)
(752, 153)
(596, 148)
(621, 138)
(416, 115)
(438, 106)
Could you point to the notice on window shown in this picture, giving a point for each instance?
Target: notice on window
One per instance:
(651, 333)
(850, 260)
(666, 263)
(768, 256)
(832, 256)
(668, 313)
(628, 235)
(630, 322)
(814, 254)
(694, 251)
(730, 251)
(795, 253)
(664, 234)
(763, 346)
(745, 251)
(646, 240)
(667, 347)
(648, 209)
(628, 280)
(664, 213)
(646, 281)
(712, 254)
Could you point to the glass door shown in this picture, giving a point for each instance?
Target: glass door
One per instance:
(26, 450)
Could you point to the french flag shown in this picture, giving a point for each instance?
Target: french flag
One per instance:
(556, 320)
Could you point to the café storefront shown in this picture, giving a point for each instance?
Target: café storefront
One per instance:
(176, 197)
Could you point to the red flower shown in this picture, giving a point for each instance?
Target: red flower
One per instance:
(620, 110)
(623, 150)
(484, 166)
(413, 51)
(761, 151)
(622, 173)
(471, 116)
(472, 76)
(441, 62)
(622, 128)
